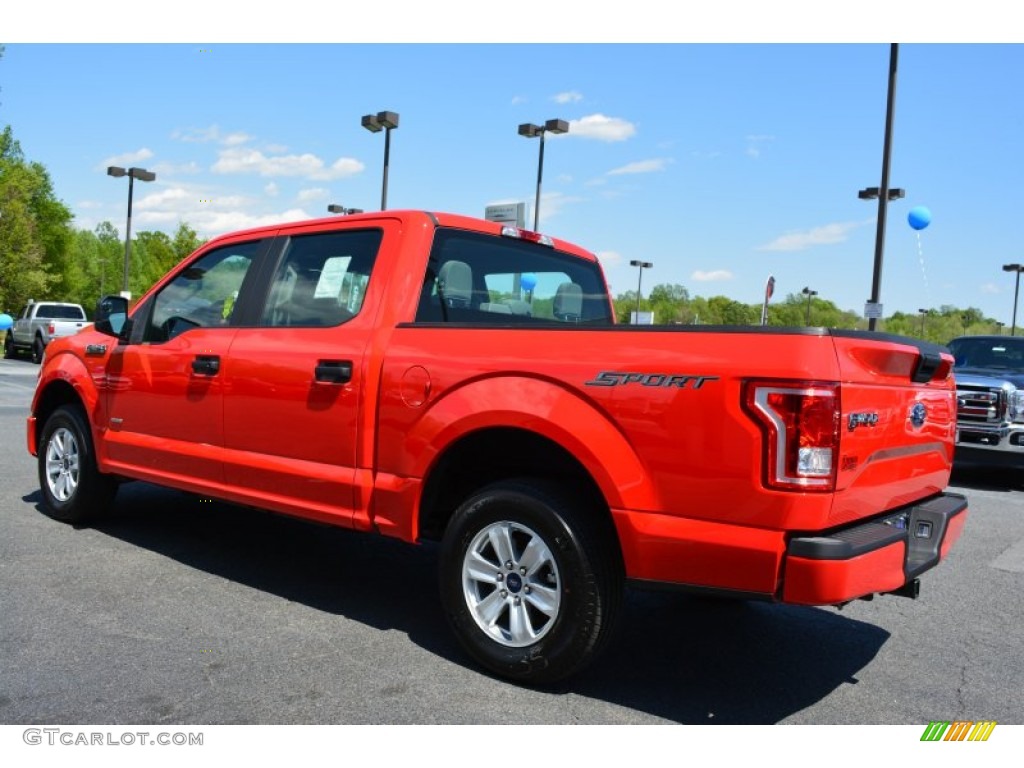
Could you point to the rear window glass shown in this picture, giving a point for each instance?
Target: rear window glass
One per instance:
(476, 278)
(59, 312)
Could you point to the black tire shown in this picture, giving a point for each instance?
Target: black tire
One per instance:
(554, 597)
(38, 349)
(9, 350)
(73, 489)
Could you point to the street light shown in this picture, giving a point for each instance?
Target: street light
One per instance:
(529, 130)
(132, 173)
(1018, 269)
(642, 265)
(808, 293)
(374, 124)
(335, 208)
(924, 314)
(883, 193)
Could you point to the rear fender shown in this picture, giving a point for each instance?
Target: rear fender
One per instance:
(537, 405)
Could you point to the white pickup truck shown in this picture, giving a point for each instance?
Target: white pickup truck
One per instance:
(39, 323)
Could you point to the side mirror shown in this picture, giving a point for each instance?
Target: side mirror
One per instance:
(112, 317)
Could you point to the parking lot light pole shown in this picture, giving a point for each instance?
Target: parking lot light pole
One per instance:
(642, 265)
(884, 194)
(342, 210)
(374, 124)
(132, 173)
(808, 293)
(530, 131)
(1016, 291)
(924, 314)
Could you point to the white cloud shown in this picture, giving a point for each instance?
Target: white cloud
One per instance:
(642, 166)
(518, 100)
(990, 288)
(709, 277)
(609, 258)
(567, 97)
(166, 198)
(307, 165)
(342, 168)
(181, 169)
(830, 234)
(271, 190)
(234, 139)
(602, 128)
(89, 205)
(310, 195)
(754, 144)
(197, 135)
(128, 158)
(551, 204)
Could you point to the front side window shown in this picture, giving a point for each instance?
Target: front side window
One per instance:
(203, 295)
(477, 278)
(322, 279)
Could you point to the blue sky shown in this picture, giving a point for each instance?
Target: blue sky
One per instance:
(720, 162)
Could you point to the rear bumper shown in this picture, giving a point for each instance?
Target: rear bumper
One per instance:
(881, 555)
(878, 556)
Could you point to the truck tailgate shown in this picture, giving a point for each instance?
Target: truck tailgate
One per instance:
(898, 419)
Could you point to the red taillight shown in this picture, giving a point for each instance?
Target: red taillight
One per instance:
(52, 328)
(801, 425)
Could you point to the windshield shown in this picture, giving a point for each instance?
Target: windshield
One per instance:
(981, 352)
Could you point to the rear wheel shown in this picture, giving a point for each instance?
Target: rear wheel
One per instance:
(531, 582)
(74, 490)
(38, 348)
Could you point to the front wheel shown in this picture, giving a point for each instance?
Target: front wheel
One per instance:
(74, 490)
(530, 581)
(9, 351)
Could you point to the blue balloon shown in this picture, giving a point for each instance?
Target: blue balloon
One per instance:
(528, 281)
(919, 217)
(5, 322)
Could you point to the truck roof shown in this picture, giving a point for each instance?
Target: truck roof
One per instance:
(436, 218)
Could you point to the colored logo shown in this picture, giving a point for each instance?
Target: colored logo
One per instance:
(958, 730)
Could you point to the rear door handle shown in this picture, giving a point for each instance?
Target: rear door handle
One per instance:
(334, 371)
(206, 365)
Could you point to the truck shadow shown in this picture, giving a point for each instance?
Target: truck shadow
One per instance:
(683, 659)
(987, 478)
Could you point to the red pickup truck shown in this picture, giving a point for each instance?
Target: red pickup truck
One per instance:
(435, 377)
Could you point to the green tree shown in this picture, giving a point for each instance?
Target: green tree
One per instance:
(152, 255)
(185, 241)
(34, 228)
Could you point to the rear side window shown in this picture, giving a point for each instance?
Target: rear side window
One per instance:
(322, 279)
(477, 278)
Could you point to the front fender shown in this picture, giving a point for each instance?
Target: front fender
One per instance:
(64, 378)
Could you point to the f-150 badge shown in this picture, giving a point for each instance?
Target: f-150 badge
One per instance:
(622, 378)
(861, 420)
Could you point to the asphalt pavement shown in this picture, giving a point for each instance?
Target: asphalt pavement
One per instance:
(180, 610)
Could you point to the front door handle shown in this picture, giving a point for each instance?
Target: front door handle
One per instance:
(334, 371)
(206, 365)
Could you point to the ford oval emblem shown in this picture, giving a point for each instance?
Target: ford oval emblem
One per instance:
(918, 414)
